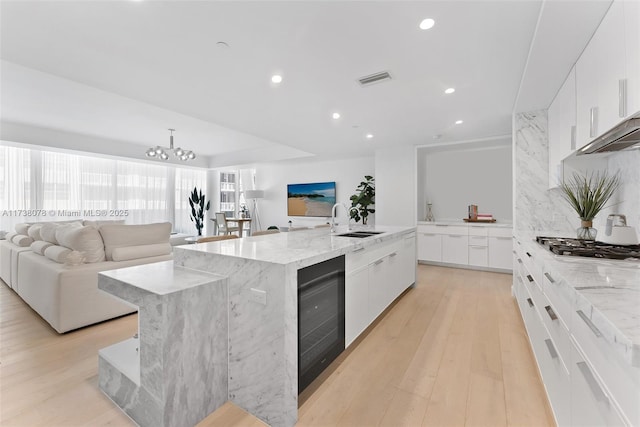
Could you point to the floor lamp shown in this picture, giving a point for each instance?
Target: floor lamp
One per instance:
(254, 195)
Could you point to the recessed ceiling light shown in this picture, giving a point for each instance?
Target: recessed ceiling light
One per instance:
(276, 78)
(450, 90)
(336, 115)
(369, 135)
(459, 122)
(427, 23)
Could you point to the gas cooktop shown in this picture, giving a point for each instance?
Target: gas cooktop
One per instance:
(589, 248)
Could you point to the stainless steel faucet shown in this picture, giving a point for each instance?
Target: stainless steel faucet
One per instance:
(333, 215)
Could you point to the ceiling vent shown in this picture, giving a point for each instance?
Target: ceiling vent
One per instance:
(374, 78)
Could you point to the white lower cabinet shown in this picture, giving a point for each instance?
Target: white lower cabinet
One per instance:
(455, 249)
(586, 382)
(356, 304)
(590, 403)
(500, 255)
(430, 247)
(374, 278)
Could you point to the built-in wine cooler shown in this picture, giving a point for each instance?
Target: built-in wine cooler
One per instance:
(320, 318)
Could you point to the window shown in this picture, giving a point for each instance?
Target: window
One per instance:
(15, 186)
(142, 191)
(228, 196)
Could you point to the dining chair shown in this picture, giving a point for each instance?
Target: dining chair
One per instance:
(223, 226)
(260, 233)
(216, 238)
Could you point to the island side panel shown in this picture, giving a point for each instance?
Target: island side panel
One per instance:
(195, 353)
(263, 369)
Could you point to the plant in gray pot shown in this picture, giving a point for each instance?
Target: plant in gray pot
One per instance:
(362, 200)
(198, 208)
(587, 195)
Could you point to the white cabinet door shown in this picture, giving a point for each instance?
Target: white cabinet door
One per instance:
(478, 256)
(562, 120)
(632, 43)
(430, 247)
(407, 264)
(455, 249)
(378, 287)
(598, 73)
(591, 405)
(500, 253)
(356, 304)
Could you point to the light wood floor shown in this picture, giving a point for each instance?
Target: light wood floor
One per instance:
(452, 351)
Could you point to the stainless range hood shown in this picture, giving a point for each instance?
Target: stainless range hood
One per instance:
(624, 136)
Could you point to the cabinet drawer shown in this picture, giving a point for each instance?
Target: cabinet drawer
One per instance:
(477, 240)
(557, 329)
(560, 295)
(461, 230)
(478, 255)
(478, 230)
(591, 402)
(621, 380)
(556, 378)
(500, 232)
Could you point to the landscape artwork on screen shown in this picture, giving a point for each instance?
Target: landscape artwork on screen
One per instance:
(313, 199)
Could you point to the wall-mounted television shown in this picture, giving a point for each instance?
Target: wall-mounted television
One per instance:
(312, 199)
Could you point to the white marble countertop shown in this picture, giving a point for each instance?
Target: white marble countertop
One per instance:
(160, 278)
(498, 223)
(296, 246)
(611, 287)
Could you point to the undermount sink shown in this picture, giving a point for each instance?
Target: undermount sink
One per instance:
(360, 234)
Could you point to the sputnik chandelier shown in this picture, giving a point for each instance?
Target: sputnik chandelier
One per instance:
(162, 152)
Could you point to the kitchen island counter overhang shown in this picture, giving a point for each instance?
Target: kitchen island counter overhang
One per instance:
(251, 289)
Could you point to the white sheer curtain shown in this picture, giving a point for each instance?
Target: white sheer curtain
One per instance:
(77, 186)
(15, 186)
(142, 190)
(186, 180)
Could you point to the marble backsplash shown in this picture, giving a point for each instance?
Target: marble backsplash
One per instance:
(543, 211)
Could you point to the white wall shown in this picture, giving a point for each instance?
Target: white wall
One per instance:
(274, 177)
(396, 186)
(454, 178)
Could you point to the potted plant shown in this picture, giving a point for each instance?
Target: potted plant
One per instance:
(362, 200)
(198, 208)
(587, 195)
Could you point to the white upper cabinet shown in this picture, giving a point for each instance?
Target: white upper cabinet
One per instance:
(562, 128)
(632, 44)
(601, 73)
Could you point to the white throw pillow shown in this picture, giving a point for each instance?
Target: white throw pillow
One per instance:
(22, 241)
(39, 246)
(48, 230)
(117, 236)
(22, 228)
(34, 231)
(127, 253)
(85, 239)
(10, 235)
(2, 235)
(57, 253)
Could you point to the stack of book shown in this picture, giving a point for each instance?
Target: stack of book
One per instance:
(473, 212)
(484, 217)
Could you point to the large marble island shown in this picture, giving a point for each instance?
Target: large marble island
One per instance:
(221, 322)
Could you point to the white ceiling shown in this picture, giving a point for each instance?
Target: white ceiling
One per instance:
(128, 70)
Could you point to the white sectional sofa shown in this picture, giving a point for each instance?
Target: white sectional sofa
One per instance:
(60, 281)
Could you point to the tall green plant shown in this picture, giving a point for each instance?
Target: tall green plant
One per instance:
(198, 208)
(362, 200)
(587, 194)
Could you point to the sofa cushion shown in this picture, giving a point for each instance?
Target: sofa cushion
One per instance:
(34, 232)
(127, 253)
(85, 239)
(22, 228)
(2, 235)
(57, 253)
(10, 235)
(118, 236)
(39, 246)
(98, 224)
(48, 230)
(22, 241)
